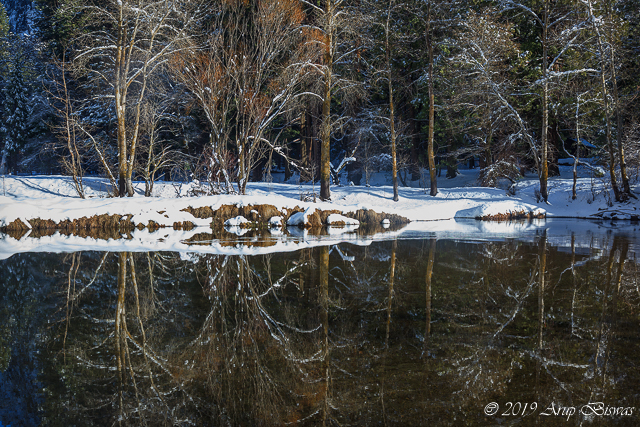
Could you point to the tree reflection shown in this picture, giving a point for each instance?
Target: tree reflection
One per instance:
(249, 357)
(428, 275)
(113, 363)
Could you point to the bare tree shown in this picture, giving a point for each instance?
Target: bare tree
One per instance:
(556, 30)
(486, 54)
(603, 26)
(157, 154)
(129, 42)
(245, 78)
(203, 71)
(333, 26)
(67, 131)
(385, 17)
(430, 75)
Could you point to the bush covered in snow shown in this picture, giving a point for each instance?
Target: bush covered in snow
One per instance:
(491, 175)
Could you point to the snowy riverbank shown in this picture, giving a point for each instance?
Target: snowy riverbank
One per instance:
(442, 216)
(53, 198)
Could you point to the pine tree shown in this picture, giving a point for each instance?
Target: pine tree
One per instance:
(4, 22)
(17, 111)
(4, 32)
(59, 23)
(14, 128)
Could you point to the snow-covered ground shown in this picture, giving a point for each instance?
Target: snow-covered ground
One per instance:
(53, 197)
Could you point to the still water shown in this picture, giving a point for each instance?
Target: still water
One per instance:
(419, 329)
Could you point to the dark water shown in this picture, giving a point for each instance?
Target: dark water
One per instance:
(400, 332)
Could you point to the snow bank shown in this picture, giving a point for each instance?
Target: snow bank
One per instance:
(498, 208)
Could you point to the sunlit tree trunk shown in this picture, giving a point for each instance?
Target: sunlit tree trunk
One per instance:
(605, 102)
(120, 93)
(303, 146)
(626, 189)
(610, 149)
(325, 147)
(125, 51)
(544, 169)
(415, 143)
(574, 194)
(67, 129)
(430, 142)
(392, 120)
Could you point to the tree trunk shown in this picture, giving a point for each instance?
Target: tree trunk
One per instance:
(605, 102)
(430, 151)
(242, 167)
(325, 147)
(626, 189)
(488, 156)
(304, 164)
(415, 144)
(394, 162)
(3, 162)
(544, 165)
(122, 153)
(574, 194)
(287, 171)
(325, 156)
(120, 100)
(610, 149)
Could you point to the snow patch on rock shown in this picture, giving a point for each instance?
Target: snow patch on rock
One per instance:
(275, 221)
(301, 219)
(335, 219)
(236, 221)
(499, 208)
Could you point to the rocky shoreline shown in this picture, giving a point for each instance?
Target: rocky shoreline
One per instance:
(257, 216)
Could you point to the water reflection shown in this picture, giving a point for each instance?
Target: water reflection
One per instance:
(400, 332)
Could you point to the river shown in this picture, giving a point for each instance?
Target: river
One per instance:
(471, 324)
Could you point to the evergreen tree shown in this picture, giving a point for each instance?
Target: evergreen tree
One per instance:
(14, 128)
(4, 22)
(59, 23)
(4, 32)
